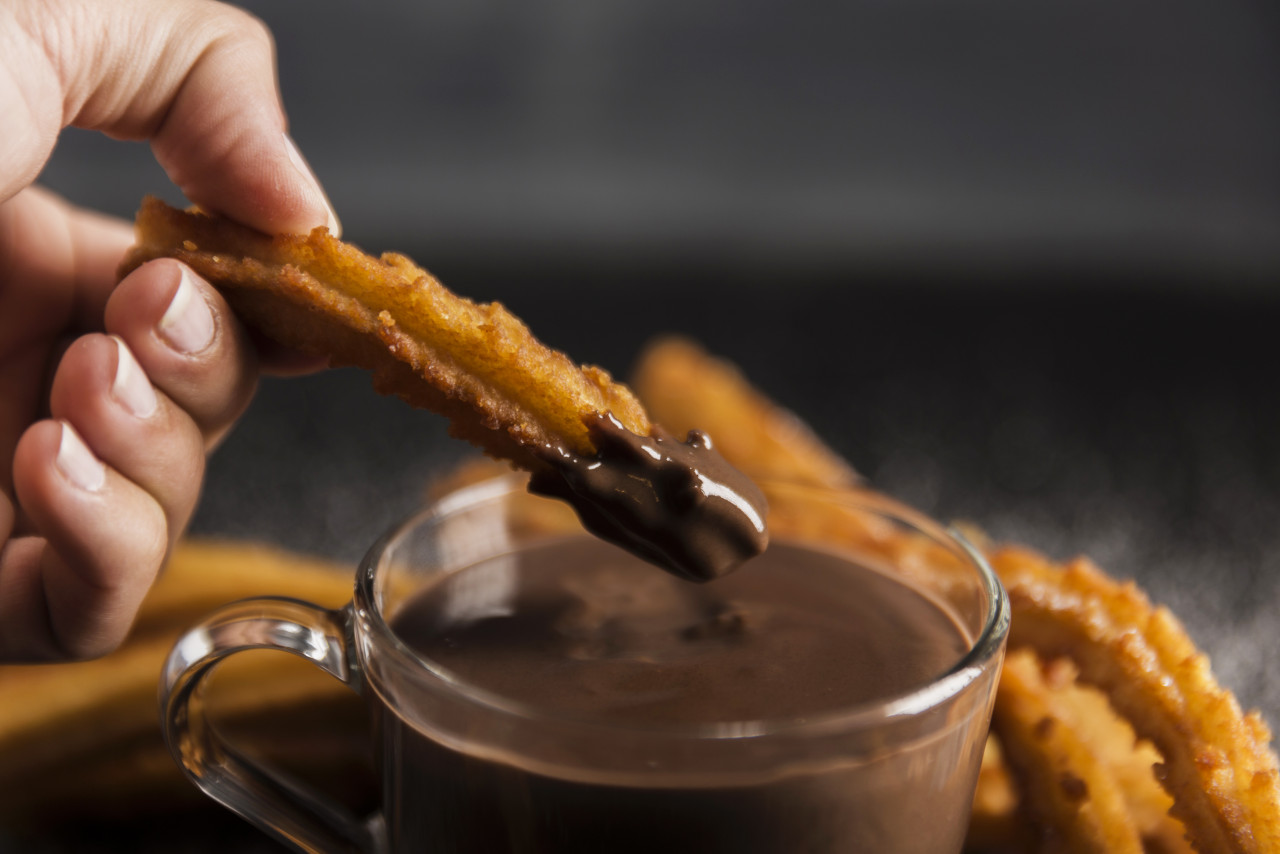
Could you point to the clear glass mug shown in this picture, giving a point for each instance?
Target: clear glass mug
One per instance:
(465, 771)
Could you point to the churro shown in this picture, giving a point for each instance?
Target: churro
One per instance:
(1068, 793)
(91, 719)
(585, 438)
(477, 364)
(686, 388)
(1216, 760)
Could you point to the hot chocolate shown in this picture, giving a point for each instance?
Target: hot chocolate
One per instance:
(579, 630)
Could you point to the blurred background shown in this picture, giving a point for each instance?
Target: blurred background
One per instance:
(1019, 262)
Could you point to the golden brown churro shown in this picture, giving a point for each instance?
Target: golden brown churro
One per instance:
(1068, 792)
(687, 389)
(996, 824)
(1216, 761)
(477, 364)
(96, 719)
(585, 438)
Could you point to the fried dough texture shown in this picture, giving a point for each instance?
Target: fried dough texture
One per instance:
(476, 364)
(1129, 759)
(686, 388)
(1184, 730)
(1066, 786)
(84, 738)
(996, 824)
(1216, 761)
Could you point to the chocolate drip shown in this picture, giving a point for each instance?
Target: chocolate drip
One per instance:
(676, 504)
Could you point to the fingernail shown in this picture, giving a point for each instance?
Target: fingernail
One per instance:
(187, 324)
(131, 387)
(77, 463)
(304, 168)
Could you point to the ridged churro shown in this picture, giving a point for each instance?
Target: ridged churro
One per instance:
(477, 364)
(1068, 791)
(1216, 761)
(585, 438)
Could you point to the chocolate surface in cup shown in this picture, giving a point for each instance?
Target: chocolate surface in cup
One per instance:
(577, 629)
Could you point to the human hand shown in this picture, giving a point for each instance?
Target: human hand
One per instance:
(111, 395)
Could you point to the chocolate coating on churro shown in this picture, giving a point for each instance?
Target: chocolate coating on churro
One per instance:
(676, 504)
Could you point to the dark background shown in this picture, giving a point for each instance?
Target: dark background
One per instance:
(1019, 262)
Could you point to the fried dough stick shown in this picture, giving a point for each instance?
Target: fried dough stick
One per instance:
(1130, 760)
(476, 364)
(1067, 789)
(684, 388)
(1217, 764)
(996, 824)
(97, 717)
(585, 439)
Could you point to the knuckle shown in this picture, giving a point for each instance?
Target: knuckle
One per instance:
(110, 596)
(86, 646)
(243, 28)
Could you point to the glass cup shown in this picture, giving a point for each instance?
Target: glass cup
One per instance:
(465, 770)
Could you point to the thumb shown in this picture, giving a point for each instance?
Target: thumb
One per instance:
(196, 78)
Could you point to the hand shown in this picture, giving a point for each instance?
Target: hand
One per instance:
(103, 436)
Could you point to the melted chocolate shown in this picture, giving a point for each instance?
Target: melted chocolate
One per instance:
(579, 631)
(679, 505)
(579, 627)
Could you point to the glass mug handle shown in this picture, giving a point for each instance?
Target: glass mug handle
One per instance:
(282, 809)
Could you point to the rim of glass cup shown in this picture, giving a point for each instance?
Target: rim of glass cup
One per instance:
(965, 672)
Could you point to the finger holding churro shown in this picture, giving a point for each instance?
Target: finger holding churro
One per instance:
(111, 392)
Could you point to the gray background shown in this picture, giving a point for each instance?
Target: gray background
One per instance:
(1017, 261)
(1135, 132)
